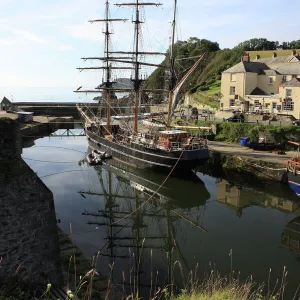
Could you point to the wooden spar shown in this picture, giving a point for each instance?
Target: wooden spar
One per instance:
(104, 58)
(108, 20)
(140, 53)
(294, 143)
(170, 107)
(139, 63)
(172, 66)
(180, 83)
(138, 4)
(102, 89)
(104, 68)
(194, 127)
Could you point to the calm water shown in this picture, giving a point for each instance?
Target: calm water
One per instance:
(248, 221)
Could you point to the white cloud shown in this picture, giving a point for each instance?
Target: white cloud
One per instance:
(64, 47)
(19, 36)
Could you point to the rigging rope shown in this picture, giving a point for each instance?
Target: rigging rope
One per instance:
(58, 148)
(53, 162)
(154, 192)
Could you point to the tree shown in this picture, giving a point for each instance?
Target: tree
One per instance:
(295, 44)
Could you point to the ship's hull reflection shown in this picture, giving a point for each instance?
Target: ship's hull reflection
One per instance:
(146, 218)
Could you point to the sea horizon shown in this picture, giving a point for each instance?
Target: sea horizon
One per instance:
(44, 94)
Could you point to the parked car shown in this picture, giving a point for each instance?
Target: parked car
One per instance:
(296, 122)
(236, 118)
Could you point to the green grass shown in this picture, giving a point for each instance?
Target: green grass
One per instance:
(207, 97)
(269, 53)
(204, 100)
(214, 88)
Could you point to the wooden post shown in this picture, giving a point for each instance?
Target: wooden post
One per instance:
(136, 110)
(170, 107)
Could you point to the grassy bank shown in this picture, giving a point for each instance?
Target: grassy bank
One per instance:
(232, 132)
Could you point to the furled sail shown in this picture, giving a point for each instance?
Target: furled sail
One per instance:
(181, 82)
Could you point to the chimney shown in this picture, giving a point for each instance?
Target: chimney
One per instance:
(246, 57)
(293, 52)
(257, 57)
(274, 54)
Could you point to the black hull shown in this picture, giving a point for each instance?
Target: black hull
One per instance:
(140, 157)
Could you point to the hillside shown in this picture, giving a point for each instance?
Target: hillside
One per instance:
(204, 85)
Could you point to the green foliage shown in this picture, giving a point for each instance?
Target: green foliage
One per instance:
(232, 132)
(192, 48)
(203, 88)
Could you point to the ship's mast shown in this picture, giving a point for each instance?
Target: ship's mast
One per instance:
(108, 74)
(172, 65)
(137, 81)
(106, 92)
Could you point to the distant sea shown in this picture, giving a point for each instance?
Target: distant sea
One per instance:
(43, 94)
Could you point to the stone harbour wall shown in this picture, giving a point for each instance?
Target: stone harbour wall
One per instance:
(29, 248)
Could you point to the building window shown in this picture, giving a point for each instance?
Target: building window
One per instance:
(222, 105)
(288, 106)
(231, 102)
(256, 103)
(232, 90)
(288, 93)
(233, 77)
(284, 78)
(228, 188)
(294, 76)
(271, 80)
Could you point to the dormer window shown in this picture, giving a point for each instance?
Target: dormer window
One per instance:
(283, 78)
(271, 80)
(288, 93)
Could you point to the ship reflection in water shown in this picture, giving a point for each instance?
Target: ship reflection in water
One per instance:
(143, 219)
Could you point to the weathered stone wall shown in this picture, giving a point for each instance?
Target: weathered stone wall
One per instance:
(10, 139)
(28, 232)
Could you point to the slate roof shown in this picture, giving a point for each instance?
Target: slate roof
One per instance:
(292, 68)
(269, 72)
(258, 92)
(295, 82)
(243, 67)
(6, 101)
(270, 60)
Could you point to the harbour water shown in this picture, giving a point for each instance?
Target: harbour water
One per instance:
(147, 231)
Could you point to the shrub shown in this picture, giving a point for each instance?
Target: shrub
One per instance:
(203, 88)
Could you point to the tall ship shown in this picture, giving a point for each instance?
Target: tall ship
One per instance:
(128, 136)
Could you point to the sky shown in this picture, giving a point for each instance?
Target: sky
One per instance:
(42, 41)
